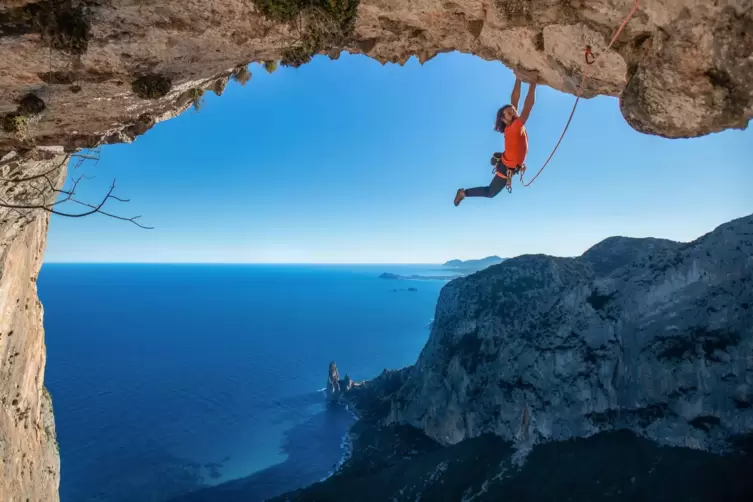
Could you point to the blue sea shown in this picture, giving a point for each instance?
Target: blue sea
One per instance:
(169, 378)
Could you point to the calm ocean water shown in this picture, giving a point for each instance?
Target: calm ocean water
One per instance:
(169, 378)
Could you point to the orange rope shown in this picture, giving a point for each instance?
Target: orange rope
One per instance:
(580, 89)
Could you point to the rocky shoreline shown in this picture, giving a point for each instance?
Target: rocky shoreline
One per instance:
(401, 463)
(370, 399)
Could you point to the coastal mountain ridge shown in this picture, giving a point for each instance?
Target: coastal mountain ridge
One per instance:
(474, 265)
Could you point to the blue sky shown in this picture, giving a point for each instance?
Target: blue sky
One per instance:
(349, 161)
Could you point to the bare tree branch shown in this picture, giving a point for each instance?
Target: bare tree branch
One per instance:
(19, 180)
(46, 207)
(79, 162)
(19, 212)
(40, 192)
(131, 219)
(68, 194)
(83, 157)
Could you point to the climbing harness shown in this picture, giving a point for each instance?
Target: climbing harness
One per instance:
(590, 59)
(496, 161)
(511, 172)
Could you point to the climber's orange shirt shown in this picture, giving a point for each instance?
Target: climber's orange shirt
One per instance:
(516, 144)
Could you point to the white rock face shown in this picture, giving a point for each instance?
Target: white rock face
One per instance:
(644, 334)
(30, 468)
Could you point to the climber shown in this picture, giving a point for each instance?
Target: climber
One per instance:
(512, 126)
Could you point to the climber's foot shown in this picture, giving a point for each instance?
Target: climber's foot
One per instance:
(460, 195)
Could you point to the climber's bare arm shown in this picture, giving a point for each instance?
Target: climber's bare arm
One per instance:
(515, 98)
(528, 103)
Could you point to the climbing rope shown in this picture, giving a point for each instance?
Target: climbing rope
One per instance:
(589, 62)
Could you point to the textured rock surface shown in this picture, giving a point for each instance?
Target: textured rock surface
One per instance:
(336, 386)
(681, 67)
(644, 334)
(30, 468)
(333, 381)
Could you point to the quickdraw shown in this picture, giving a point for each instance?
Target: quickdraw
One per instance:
(589, 53)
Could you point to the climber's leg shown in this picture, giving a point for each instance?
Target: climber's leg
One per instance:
(496, 186)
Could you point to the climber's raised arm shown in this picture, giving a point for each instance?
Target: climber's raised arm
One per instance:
(515, 97)
(528, 103)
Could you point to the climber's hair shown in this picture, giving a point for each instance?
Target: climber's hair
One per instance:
(500, 125)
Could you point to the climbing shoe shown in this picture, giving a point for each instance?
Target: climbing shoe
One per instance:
(459, 196)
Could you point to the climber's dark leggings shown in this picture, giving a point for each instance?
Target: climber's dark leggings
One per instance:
(493, 189)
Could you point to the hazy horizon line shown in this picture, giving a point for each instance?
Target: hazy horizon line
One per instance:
(230, 263)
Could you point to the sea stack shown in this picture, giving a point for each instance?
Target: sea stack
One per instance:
(333, 382)
(347, 383)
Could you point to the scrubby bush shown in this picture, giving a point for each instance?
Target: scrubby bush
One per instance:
(270, 66)
(241, 75)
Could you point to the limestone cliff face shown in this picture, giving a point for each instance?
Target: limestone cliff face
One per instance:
(645, 334)
(107, 71)
(30, 467)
